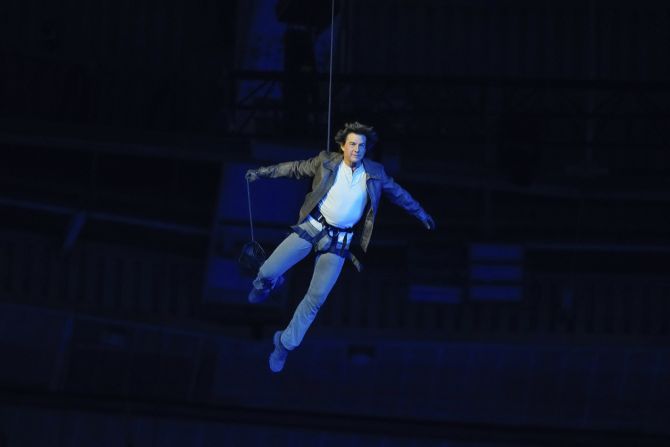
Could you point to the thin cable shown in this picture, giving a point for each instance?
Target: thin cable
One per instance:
(330, 70)
(251, 222)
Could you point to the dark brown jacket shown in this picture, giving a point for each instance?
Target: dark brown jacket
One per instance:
(322, 169)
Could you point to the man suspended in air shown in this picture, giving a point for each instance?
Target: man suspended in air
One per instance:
(339, 210)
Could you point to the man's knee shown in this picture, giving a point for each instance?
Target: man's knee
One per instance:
(315, 299)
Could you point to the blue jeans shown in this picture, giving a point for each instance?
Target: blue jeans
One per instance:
(327, 269)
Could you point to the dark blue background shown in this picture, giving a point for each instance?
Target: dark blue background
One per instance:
(535, 132)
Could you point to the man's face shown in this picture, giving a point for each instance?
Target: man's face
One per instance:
(353, 149)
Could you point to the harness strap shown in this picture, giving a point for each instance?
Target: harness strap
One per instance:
(316, 214)
(335, 245)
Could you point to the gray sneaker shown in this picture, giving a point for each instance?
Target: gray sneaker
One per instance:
(278, 356)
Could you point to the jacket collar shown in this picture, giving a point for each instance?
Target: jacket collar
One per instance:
(372, 168)
(334, 159)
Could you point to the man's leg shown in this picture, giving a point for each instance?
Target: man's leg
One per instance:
(286, 255)
(326, 271)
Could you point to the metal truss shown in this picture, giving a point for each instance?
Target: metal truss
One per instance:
(575, 127)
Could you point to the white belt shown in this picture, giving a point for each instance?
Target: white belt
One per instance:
(315, 223)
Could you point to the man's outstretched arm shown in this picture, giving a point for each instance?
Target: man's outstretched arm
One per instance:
(292, 169)
(399, 196)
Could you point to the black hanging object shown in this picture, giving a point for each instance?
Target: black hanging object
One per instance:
(251, 258)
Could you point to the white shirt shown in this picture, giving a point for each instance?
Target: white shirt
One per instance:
(343, 205)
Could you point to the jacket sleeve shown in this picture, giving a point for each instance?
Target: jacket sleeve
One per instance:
(399, 196)
(292, 169)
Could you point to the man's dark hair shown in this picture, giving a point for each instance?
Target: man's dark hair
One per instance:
(357, 128)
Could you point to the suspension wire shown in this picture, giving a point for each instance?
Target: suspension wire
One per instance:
(330, 102)
(251, 222)
(330, 72)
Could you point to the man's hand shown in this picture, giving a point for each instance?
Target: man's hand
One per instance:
(428, 222)
(251, 175)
